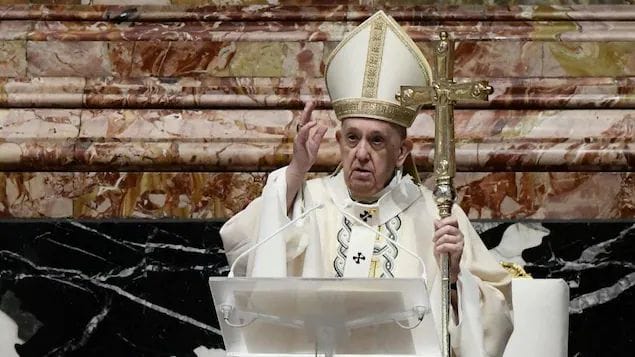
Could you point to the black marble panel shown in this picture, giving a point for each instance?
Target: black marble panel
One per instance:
(598, 262)
(139, 288)
(110, 288)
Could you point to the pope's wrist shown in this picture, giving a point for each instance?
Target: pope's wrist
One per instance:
(294, 170)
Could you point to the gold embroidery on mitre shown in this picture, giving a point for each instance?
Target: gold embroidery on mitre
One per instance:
(387, 109)
(373, 57)
(374, 109)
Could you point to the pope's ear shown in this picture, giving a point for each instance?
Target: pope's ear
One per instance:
(406, 148)
(338, 135)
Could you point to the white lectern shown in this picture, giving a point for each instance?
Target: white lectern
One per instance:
(324, 317)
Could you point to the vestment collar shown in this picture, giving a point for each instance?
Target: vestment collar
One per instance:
(390, 204)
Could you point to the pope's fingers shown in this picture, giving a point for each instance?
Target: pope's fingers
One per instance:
(448, 238)
(449, 248)
(447, 221)
(305, 130)
(319, 132)
(445, 230)
(316, 139)
(306, 113)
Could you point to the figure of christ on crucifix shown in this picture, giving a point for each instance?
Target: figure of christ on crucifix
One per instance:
(376, 186)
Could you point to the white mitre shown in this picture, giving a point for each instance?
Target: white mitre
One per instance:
(369, 66)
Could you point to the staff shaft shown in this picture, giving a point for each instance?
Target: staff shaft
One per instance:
(444, 167)
(444, 93)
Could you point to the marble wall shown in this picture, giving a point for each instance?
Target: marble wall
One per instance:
(131, 129)
(139, 287)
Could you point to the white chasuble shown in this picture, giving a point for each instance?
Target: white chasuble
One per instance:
(335, 241)
(360, 251)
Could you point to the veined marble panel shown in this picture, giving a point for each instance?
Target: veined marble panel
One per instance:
(127, 194)
(128, 288)
(222, 59)
(13, 59)
(230, 10)
(48, 92)
(130, 2)
(57, 130)
(291, 92)
(15, 30)
(543, 59)
(554, 195)
(528, 195)
(261, 140)
(79, 59)
(276, 31)
(474, 59)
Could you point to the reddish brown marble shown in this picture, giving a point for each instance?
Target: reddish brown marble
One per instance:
(286, 92)
(13, 59)
(323, 11)
(261, 31)
(82, 59)
(261, 140)
(32, 139)
(140, 59)
(14, 30)
(49, 92)
(206, 86)
(530, 195)
(282, 31)
(152, 195)
(222, 59)
(534, 195)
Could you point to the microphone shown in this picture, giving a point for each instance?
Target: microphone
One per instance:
(268, 238)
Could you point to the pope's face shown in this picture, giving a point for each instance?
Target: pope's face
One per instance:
(371, 150)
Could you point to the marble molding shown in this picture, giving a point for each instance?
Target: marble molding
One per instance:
(106, 195)
(291, 92)
(319, 10)
(140, 59)
(123, 288)
(261, 140)
(12, 59)
(313, 31)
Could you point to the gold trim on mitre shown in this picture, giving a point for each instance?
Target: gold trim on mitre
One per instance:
(374, 109)
(369, 93)
(373, 57)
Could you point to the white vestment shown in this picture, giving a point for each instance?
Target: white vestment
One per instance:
(319, 244)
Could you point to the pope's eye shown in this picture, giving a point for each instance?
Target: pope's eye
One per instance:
(377, 140)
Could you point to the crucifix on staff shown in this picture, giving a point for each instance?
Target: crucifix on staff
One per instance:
(443, 94)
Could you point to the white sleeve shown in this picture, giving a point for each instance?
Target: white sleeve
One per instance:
(484, 308)
(263, 217)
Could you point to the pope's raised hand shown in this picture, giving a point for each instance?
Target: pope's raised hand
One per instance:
(305, 152)
(307, 142)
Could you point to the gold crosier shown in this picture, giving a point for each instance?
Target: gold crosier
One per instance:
(443, 94)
